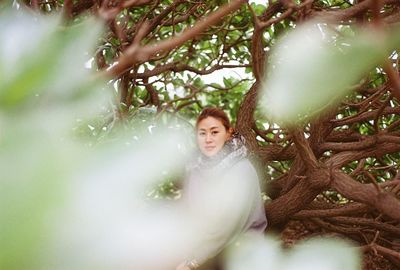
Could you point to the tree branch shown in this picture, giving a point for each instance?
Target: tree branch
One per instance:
(134, 53)
(366, 193)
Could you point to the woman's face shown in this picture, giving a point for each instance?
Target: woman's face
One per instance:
(211, 136)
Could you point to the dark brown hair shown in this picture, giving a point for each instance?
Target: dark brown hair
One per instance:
(216, 113)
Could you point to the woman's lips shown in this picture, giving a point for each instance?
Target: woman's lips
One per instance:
(209, 148)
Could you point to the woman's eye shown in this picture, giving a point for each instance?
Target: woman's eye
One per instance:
(202, 133)
(214, 132)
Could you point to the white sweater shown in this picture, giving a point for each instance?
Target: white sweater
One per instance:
(224, 205)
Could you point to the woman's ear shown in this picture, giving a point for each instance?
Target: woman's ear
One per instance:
(230, 132)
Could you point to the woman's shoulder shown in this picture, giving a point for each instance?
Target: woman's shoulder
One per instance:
(243, 169)
(243, 164)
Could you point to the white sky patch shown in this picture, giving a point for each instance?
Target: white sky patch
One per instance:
(150, 128)
(219, 75)
(113, 64)
(259, 2)
(89, 63)
(260, 138)
(16, 4)
(141, 69)
(179, 91)
(266, 125)
(115, 84)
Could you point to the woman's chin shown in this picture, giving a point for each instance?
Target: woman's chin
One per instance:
(210, 153)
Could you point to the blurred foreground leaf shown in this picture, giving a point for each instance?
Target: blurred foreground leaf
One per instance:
(258, 252)
(41, 60)
(44, 86)
(313, 67)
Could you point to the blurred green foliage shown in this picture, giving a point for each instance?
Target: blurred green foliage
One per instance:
(44, 85)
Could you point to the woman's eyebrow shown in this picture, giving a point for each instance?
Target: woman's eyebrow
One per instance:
(211, 128)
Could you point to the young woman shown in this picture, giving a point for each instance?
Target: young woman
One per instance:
(222, 187)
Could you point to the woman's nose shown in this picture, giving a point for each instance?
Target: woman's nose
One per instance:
(208, 138)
